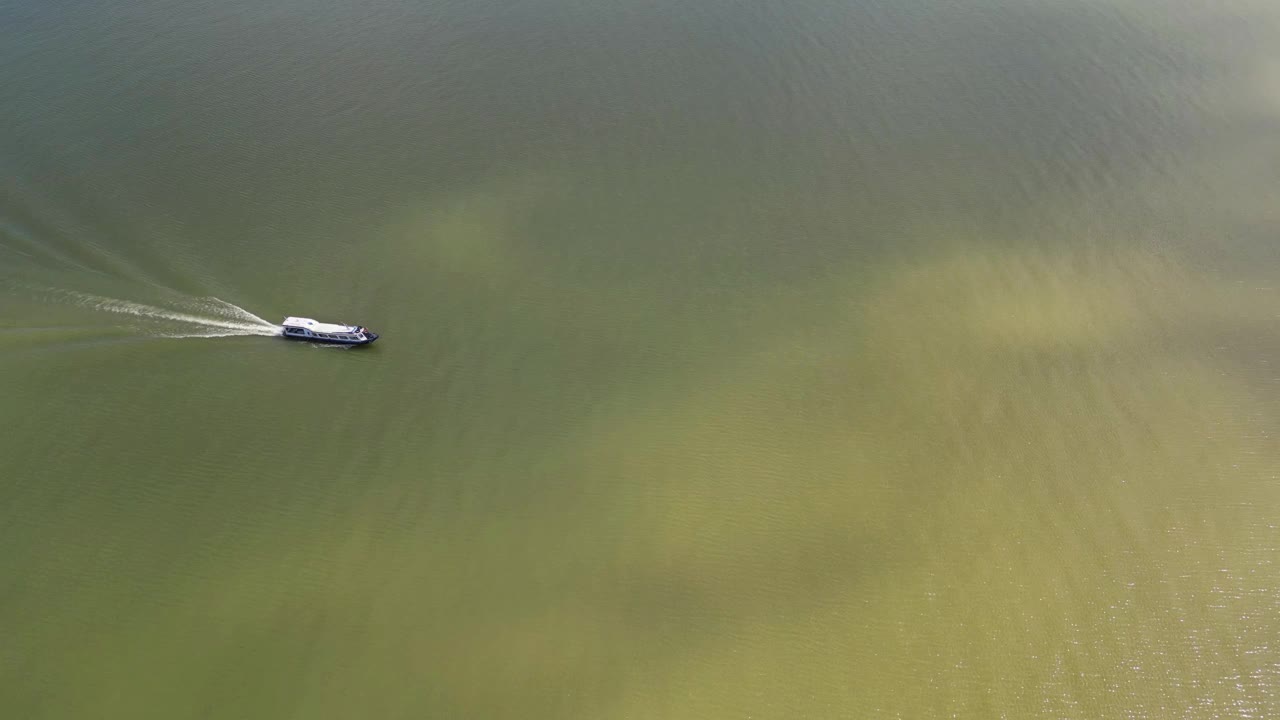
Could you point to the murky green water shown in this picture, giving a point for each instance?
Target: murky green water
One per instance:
(857, 359)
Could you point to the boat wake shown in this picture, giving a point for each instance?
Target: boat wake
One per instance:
(39, 254)
(207, 317)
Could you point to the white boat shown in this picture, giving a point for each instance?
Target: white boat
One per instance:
(298, 328)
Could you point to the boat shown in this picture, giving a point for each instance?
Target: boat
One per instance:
(299, 328)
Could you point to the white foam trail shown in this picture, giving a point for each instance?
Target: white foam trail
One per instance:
(239, 312)
(211, 334)
(216, 306)
(249, 324)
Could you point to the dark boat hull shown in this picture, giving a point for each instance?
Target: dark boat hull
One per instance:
(332, 341)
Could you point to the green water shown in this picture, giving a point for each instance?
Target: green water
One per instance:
(739, 359)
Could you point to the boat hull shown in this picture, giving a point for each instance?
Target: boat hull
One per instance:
(332, 341)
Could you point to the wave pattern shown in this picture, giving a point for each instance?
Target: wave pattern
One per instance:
(198, 318)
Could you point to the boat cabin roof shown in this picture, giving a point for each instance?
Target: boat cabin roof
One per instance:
(319, 327)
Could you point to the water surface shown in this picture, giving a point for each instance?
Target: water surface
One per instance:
(739, 359)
